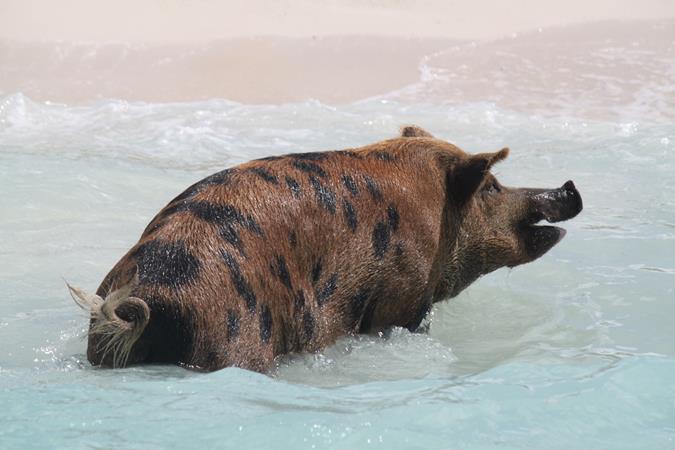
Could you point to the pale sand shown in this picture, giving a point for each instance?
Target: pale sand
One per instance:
(255, 70)
(75, 51)
(181, 21)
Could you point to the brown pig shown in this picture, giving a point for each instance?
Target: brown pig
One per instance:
(288, 253)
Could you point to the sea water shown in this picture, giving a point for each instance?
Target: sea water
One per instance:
(576, 350)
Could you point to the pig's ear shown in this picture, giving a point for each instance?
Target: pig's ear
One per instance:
(414, 131)
(468, 174)
(493, 158)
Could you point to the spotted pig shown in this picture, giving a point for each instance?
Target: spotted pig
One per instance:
(288, 253)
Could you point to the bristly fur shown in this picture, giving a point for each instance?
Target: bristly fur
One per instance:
(117, 335)
(287, 254)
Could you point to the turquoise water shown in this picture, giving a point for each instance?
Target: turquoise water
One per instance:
(576, 350)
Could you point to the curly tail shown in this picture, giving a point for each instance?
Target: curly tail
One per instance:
(118, 321)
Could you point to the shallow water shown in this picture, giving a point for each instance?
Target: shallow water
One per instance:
(576, 350)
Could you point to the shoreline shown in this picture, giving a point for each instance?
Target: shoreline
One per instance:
(592, 70)
(333, 70)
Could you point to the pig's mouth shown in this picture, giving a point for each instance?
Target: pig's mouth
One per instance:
(552, 206)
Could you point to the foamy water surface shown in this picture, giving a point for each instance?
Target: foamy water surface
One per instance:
(576, 350)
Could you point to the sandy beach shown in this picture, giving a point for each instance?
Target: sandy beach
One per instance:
(199, 21)
(341, 51)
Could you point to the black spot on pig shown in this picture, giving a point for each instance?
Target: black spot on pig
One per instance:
(282, 272)
(392, 215)
(310, 167)
(265, 175)
(166, 263)
(381, 238)
(373, 188)
(328, 288)
(350, 215)
(265, 324)
(294, 186)
(316, 271)
(308, 325)
(350, 184)
(311, 156)
(384, 156)
(242, 287)
(232, 325)
(324, 194)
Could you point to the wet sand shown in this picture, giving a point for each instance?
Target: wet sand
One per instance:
(248, 70)
(603, 70)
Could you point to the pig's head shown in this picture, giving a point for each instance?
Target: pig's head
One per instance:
(497, 226)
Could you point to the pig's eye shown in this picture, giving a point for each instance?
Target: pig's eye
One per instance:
(492, 188)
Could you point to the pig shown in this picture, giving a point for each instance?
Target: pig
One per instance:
(289, 253)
